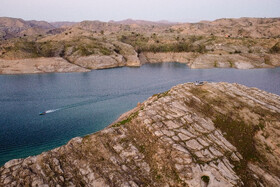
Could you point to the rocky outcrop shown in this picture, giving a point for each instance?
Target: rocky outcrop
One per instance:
(133, 60)
(125, 56)
(200, 61)
(38, 65)
(169, 57)
(217, 134)
(100, 62)
(244, 61)
(128, 53)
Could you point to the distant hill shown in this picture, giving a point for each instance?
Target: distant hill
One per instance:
(143, 22)
(129, 25)
(241, 27)
(15, 27)
(60, 24)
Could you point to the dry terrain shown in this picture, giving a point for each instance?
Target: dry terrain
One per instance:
(225, 43)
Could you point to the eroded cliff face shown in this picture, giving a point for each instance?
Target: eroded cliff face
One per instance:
(203, 61)
(132, 59)
(217, 134)
(126, 56)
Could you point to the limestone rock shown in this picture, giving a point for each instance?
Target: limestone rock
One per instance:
(167, 57)
(100, 62)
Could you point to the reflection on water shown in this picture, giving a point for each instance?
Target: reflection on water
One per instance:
(88, 102)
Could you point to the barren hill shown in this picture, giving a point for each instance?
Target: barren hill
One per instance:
(225, 43)
(242, 27)
(143, 22)
(14, 27)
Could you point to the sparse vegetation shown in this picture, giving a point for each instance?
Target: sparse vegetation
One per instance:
(215, 64)
(127, 120)
(240, 135)
(231, 64)
(81, 46)
(142, 43)
(205, 179)
(267, 60)
(237, 51)
(275, 48)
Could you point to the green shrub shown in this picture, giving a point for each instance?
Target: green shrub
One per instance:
(275, 48)
(237, 51)
(205, 179)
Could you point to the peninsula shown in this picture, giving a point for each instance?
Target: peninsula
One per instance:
(215, 134)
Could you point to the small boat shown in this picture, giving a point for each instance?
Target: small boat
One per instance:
(199, 83)
(42, 113)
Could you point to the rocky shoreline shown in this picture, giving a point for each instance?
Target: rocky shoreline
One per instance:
(243, 43)
(216, 134)
(93, 62)
(39, 65)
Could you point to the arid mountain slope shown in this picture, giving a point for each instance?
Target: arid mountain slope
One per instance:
(226, 43)
(243, 27)
(217, 134)
(14, 27)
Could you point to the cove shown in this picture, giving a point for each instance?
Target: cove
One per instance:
(83, 103)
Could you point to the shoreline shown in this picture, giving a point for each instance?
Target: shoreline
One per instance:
(94, 62)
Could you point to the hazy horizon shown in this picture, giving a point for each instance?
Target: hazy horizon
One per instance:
(155, 10)
(133, 19)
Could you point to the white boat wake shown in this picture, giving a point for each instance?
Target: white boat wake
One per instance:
(99, 99)
(49, 111)
(53, 110)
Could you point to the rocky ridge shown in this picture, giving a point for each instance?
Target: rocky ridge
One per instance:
(217, 134)
(248, 27)
(15, 27)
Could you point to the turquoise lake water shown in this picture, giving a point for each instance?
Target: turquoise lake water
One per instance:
(83, 103)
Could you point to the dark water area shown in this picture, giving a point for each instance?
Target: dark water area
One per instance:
(83, 103)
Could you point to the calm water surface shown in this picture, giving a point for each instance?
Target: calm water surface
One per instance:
(87, 102)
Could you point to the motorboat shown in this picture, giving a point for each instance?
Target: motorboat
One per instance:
(42, 113)
(199, 83)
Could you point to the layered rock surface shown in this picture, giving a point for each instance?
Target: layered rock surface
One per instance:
(217, 134)
(101, 62)
(38, 65)
(127, 57)
(201, 61)
(87, 63)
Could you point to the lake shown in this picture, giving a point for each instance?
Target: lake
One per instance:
(83, 103)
